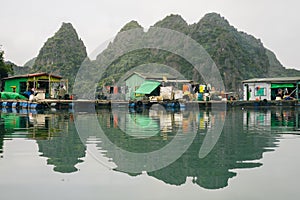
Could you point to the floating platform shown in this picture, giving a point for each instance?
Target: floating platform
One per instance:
(83, 104)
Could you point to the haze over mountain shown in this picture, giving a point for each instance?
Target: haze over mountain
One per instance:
(237, 55)
(61, 54)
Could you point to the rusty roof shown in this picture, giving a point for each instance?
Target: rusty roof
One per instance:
(33, 75)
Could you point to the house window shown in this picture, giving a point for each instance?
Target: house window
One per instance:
(260, 91)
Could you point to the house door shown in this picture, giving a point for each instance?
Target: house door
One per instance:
(248, 92)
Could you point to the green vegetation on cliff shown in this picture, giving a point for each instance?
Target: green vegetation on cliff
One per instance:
(131, 25)
(62, 54)
(237, 55)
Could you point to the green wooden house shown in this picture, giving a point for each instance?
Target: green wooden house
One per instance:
(148, 83)
(41, 82)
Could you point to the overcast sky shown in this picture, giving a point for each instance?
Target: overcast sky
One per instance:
(26, 24)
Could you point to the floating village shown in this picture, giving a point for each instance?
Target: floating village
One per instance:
(43, 90)
(180, 107)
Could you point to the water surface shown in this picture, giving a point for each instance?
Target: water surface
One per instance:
(43, 156)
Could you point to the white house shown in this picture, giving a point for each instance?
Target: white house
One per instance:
(267, 88)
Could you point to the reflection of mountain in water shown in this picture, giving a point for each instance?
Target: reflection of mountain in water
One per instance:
(55, 134)
(236, 148)
(128, 130)
(65, 150)
(245, 137)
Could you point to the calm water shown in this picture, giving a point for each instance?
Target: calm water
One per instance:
(150, 155)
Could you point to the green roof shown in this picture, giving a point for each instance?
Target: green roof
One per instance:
(147, 87)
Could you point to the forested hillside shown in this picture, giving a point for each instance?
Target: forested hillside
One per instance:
(62, 54)
(238, 55)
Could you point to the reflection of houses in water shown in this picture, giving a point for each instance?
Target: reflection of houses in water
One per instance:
(204, 120)
(257, 120)
(155, 123)
(277, 120)
(285, 121)
(165, 119)
(65, 150)
(159, 120)
(26, 124)
(55, 134)
(168, 121)
(235, 148)
(135, 125)
(30, 125)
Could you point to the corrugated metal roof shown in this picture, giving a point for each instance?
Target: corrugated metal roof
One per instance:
(273, 80)
(158, 77)
(33, 75)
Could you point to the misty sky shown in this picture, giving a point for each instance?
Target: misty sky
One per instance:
(26, 24)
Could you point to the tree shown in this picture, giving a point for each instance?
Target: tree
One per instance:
(5, 69)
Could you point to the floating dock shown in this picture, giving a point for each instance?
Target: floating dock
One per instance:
(64, 104)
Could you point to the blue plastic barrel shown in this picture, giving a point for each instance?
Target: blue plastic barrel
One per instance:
(24, 105)
(35, 106)
(4, 104)
(15, 104)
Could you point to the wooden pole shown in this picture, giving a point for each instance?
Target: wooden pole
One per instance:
(297, 91)
(34, 84)
(50, 94)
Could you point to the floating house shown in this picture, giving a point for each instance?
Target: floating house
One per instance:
(267, 88)
(148, 83)
(42, 83)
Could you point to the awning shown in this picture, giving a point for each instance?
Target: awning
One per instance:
(282, 85)
(147, 87)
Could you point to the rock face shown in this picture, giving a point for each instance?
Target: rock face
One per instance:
(237, 55)
(131, 25)
(61, 54)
